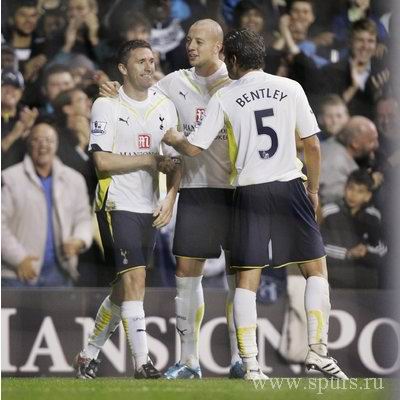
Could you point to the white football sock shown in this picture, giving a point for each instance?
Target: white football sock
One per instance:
(318, 306)
(134, 322)
(189, 309)
(231, 279)
(107, 320)
(245, 314)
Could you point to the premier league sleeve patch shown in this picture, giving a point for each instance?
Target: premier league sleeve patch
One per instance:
(98, 128)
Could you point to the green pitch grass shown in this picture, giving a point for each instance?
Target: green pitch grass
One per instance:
(206, 389)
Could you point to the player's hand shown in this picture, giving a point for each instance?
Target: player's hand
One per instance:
(100, 77)
(109, 89)
(25, 270)
(164, 211)
(171, 137)
(164, 164)
(358, 251)
(72, 247)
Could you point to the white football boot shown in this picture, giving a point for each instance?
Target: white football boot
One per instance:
(325, 364)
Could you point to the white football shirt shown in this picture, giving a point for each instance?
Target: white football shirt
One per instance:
(190, 94)
(125, 126)
(261, 112)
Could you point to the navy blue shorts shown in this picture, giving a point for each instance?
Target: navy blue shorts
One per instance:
(274, 224)
(128, 239)
(202, 222)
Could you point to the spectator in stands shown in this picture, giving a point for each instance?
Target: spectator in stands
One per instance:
(387, 120)
(361, 79)
(52, 26)
(45, 6)
(42, 238)
(249, 14)
(271, 8)
(294, 54)
(131, 26)
(357, 142)
(21, 32)
(333, 116)
(356, 10)
(82, 70)
(82, 33)
(9, 59)
(57, 78)
(72, 112)
(16, 120)
(167, 35)
(352, 234)
(22, 36)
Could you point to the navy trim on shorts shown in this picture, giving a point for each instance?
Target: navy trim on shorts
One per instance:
(274, 224)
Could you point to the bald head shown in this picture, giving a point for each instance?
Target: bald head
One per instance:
(360, 136)
(43, 142)
(211, 27)
(204, 44)
(357, 126)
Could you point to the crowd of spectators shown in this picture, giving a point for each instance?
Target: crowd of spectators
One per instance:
(56, 53)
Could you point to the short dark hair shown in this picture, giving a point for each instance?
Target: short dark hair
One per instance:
(64, 99)
(243, 7)
(310, 2)
(126, 48)
(16, 5)
(332, 99)
(131, 20)
(364, 24)
(361, 177)
(54, 69)
(248, 47)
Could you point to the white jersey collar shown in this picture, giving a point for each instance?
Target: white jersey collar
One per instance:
(204, 80)
(131, 101)
(251, 75)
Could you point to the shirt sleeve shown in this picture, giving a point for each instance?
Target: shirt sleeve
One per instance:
(102, 126)
(213, 121)
(306, 123)
(12, 250)
(172, 122)
(163, 85)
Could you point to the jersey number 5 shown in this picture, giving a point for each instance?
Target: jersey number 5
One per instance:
(266, 130)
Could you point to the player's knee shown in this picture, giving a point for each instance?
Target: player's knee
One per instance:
(133, 283)
(189, 267)
(314, 268)
(248, 279)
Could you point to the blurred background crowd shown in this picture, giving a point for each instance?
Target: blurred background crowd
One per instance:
(56, 53)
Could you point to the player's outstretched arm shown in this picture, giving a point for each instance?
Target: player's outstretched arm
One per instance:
(113, 164)
(165, 210)
(109, 89)
(178, 141)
